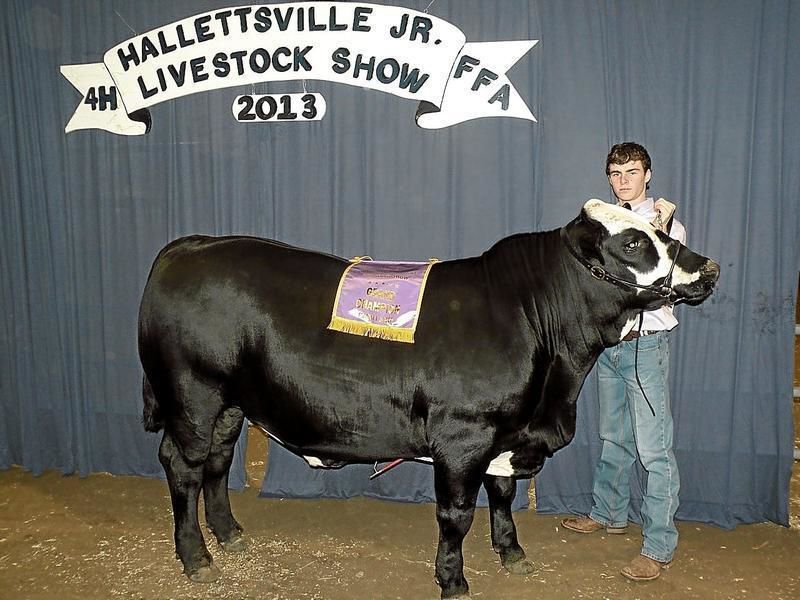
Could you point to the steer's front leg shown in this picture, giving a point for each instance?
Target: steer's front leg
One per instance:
(501, 491)
(455, 507)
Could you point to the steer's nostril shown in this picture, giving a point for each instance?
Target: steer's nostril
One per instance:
(711, 269)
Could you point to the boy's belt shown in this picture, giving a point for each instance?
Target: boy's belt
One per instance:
(633, 334)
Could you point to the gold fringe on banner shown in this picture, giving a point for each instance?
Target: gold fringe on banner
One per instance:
(383, 332)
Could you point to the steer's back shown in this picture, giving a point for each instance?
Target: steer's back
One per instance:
(213, 299)
(204, 269)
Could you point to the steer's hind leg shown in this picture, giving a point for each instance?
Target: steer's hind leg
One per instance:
(185, 479)
(187, 440)
(501, 491)
(215, 480)
(455, 507)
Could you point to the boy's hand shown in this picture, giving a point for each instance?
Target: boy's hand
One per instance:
(664, 211)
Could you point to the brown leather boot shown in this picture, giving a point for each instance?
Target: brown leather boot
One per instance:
(643, 568)
(589, 525)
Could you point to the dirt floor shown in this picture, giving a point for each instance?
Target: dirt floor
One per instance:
(108, 537)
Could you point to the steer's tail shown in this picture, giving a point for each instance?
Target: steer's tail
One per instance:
(152, 418)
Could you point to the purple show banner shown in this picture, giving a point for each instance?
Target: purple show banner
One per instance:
(380, 299)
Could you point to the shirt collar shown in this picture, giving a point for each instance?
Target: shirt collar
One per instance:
(646, 206)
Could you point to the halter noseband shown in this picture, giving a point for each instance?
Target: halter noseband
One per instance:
(598, 272)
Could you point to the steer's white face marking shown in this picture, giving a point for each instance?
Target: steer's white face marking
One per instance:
(617, 219)
(681, 277)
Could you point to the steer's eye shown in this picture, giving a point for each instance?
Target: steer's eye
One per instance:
(631, 246)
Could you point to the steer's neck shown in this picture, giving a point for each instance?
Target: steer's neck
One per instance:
(606, 308)
(565, 306)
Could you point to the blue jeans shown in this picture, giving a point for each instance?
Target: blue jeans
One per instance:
(628, 429)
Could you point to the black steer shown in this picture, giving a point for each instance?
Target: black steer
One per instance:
(236, 326)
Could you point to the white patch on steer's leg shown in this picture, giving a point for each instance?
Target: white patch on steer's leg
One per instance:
(501, 466)
(313, 461)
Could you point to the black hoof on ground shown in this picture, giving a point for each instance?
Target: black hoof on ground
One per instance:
(236, 544)
(520, 567)
(204, 574)
(456, 593)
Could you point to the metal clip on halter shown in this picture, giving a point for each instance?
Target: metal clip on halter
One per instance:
(597, 272)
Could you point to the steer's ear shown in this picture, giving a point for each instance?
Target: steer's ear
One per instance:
(587, 235)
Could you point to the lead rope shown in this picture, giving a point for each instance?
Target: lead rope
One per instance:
(627, 206)
(636, 365)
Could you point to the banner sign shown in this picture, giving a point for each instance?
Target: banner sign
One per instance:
(392, 49)
(380, 299)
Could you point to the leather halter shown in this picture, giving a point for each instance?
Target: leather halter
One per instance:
(664, 289)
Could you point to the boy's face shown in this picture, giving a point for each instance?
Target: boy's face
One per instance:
(629, 181)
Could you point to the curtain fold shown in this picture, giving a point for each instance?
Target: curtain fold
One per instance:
(708, 87)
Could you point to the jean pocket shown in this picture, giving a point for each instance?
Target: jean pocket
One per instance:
(650, 343)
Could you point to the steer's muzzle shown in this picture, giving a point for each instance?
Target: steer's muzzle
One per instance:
(697, 291)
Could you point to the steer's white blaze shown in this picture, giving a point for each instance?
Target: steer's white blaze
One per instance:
(617, 219)
(681, 277)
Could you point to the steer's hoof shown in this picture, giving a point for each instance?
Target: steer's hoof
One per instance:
(204, 574)
(460, 592)
(236, 544)
(520, 567)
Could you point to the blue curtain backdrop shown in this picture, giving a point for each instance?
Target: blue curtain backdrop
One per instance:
(709, 87)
